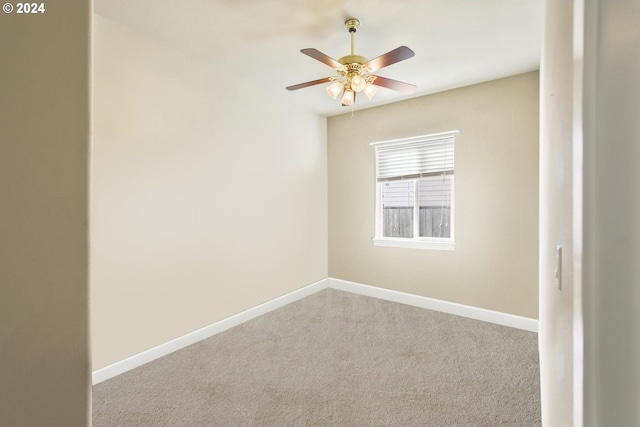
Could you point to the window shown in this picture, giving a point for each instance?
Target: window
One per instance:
(414, 192)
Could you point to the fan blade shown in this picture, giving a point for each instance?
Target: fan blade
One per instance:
(311, 83)
(394, 84)
(396, 55)
(316, 54)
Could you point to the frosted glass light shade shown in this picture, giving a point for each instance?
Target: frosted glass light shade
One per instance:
(370, 90)
(348, 97)
(358, 83)
(334, 89)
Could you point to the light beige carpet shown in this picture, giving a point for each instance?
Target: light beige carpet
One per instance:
(336, 359)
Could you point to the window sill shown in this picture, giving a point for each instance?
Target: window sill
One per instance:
(448, 245)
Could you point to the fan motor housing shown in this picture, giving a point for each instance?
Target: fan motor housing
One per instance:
(353, 59)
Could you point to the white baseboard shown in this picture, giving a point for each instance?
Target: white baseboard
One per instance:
(437, 305)
(156, 352)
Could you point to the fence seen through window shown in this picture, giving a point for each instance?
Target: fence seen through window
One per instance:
(434, 204)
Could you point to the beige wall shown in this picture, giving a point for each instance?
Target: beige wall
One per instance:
(495, 263)
(206, 199)
(44, 142)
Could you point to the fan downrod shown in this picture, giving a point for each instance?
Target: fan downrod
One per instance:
(352, 25)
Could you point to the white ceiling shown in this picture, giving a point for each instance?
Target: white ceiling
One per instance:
(456, 42)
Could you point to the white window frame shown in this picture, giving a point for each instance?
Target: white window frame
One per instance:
(416, 242)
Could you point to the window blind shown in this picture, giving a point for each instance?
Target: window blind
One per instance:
(416, 157)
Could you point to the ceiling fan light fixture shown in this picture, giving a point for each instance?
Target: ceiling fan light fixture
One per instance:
(348, 98)
(334, 89)
(353, 71)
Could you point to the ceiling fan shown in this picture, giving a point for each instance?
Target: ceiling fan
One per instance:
(354, 71)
